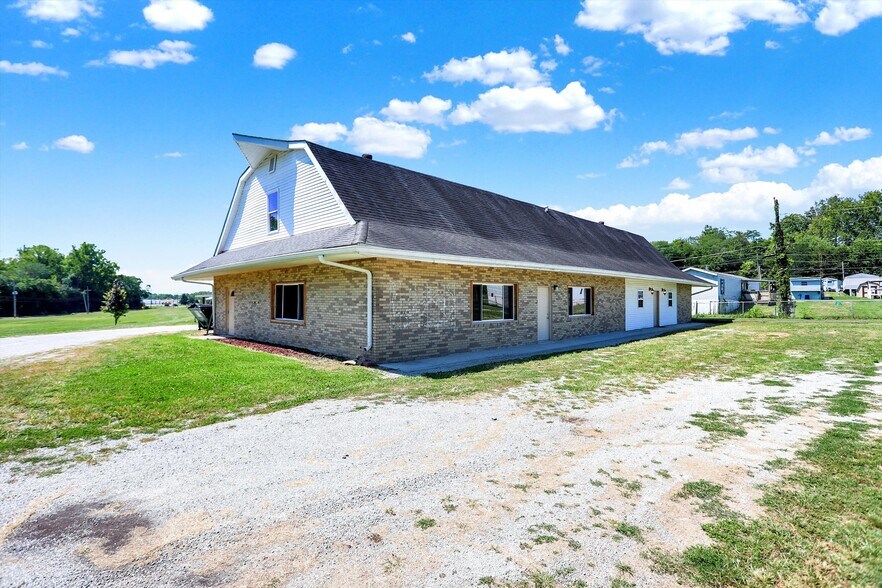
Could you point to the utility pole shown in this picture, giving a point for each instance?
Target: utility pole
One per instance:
(86, 299)
(15, 304)
(759, 267)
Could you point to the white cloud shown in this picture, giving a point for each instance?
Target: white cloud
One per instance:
(748, 164)
(592, 65)
(673, 26)
(745, 205)
(347, 49)
(561, 47)
(772, 45)
(733, 114)
(606, 90)
(31, 69)
(504, 67)
(77, 143)
(273, 56)
(173, 155)
(537, 109)
(429, 110)
(712, 138)
(548, 65)
(408, 37)
(839, 135)
(177, 15)
(454, 143)
(58, 10)
(590, 176)
(838, 17)
(319, 132)
(165, 52)
(41, 44)
(71, 32)
(807, 151)
(678, 184)
(21, 146)
(632, 161)
(653, 146)
(771, 130)
(377, 137)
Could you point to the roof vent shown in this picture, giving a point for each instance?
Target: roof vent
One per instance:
(601, 223)
(367, 155)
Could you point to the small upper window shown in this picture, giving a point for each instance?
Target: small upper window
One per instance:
(639, 298)
(272, 210)
(272, 163)
(580, 301)
(493, 302)
(288, 302)
(670, 299)
(804, 283)
(722, 286)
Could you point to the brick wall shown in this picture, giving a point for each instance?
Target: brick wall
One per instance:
(420, 309)
(684, 303)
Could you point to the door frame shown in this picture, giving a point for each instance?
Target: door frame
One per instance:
(656, 314)
(543, 292)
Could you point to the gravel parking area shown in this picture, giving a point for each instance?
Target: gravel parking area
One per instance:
(417, 493)
(41, 345)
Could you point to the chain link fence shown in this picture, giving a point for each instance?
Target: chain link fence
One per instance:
(857, 309)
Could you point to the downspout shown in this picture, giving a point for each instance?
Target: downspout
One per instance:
(370, 296)
(211, 324)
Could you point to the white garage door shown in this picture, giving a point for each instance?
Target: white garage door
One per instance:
(641, 304)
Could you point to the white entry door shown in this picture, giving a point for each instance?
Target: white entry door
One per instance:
(543, 313)
(231, 313)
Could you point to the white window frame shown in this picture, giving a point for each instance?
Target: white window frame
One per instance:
(589, 301)
(273, 163)
(302, 318)
(269, 212)
(514, 303)
(640, 295)
(722, 286)
(670, 299)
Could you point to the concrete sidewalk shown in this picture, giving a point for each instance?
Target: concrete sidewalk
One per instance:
(458, 361)
(11, 347)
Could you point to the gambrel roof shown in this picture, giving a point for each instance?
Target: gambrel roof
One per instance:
(401, 213)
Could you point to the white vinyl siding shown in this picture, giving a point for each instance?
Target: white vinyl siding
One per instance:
(644, 318)
(306, 202)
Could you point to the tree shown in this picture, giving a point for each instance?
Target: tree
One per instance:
(782, 265)
(88, 269)
(135, 293)
(115, 301)
(186, 299)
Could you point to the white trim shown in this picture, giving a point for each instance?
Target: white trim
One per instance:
(514, 310)
(299, 321)
(360, 252)
(324, 176)
(370, 296)
(278, 194)
(589, 301)
(234, 205)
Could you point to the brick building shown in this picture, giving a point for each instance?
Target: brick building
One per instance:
(349, 256)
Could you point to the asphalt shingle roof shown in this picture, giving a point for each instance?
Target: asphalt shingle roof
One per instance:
(398, 208)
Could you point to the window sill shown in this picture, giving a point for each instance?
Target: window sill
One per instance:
(474, 322)
(295, 322)
(580, 315)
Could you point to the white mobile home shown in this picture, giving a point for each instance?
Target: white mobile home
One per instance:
(722, 293)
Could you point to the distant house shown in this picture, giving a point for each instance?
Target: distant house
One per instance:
(807, 288)
(852, 284)
(349, 256)
(721, 293)
(870, 289)
(832, 284)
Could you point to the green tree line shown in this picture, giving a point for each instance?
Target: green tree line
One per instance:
(835, 235)
(50, 282)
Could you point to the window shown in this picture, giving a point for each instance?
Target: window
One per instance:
(493, 302)
(288, 302)
(639, 298)
(670, 299)
(581, 301)
(272, 163)
(272, 210)
(804, 283)
(722, 287)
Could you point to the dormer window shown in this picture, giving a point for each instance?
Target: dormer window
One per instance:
(272, 211)
(272, 163)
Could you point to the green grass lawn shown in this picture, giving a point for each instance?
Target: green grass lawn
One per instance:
(823, 521)
(842, 307)
(82, 321)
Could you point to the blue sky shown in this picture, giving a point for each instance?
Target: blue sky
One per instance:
(655, 116)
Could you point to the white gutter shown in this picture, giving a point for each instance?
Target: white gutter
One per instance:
(211, 323)
(370, 295)
(234, 205)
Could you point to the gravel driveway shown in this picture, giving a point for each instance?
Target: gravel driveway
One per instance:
(417, 493)
(15, 347)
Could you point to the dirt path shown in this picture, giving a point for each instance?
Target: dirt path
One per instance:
(335, 493)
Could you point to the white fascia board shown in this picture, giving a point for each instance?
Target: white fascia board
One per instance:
(234, 205)
(368, 251)
(301, 258)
